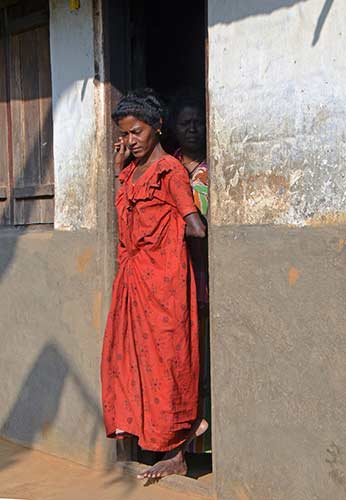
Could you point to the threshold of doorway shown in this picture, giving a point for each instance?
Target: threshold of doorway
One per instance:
(202, 487)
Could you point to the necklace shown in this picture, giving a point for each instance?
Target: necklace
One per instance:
(189, 163)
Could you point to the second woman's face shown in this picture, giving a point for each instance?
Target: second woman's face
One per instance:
(190, 129)
(139, 137)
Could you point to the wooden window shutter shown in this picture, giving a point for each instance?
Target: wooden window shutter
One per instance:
(4, 149)
(31, 117)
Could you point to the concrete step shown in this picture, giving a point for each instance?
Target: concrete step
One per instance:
(32, 475)
(203, 486)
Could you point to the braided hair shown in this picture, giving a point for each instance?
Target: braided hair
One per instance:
(143, 104)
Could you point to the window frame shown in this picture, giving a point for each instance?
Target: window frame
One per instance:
(23, 202)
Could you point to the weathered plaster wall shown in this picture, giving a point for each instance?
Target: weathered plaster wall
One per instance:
(277, 248)
(279, 374)
(278, 116)
(51, 322)
(74, 114)
(55, 284)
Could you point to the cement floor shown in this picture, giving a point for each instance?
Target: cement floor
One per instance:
(32, 475)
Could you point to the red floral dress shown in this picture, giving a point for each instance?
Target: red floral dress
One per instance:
(150, 359)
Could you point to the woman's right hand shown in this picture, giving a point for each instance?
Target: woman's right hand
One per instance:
(121, 154)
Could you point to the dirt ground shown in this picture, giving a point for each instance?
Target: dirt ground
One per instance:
(32, 475)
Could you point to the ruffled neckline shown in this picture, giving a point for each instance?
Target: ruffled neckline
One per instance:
(145, 186)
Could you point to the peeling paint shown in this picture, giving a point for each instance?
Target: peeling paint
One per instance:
(277, 117)
(75, 186)
(257, 197)
(295, 181)
(74, 117)
(330, 218)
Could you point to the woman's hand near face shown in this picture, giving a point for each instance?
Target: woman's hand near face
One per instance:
(194, 226)
(122, 153)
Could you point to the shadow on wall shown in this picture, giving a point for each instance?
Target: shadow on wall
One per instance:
(232, 11)
(37, 406)
(38, 401)
(321, 21)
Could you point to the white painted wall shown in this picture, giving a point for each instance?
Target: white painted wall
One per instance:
(72, 61)
(277, 86)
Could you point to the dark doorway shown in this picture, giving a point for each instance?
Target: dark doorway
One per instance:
(156, 44)
(160, 45)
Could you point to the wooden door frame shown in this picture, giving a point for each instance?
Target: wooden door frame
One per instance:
(111, 97)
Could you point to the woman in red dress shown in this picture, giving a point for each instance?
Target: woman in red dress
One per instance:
(150, 359)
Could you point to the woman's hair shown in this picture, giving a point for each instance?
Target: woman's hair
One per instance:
(143, 104)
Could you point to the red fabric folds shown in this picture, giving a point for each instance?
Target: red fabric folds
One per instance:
(150, 359)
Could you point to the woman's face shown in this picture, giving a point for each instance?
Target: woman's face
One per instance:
(190, 129)
(139, 137)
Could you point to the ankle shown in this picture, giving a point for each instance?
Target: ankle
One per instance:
(180, 456)
(176, 455)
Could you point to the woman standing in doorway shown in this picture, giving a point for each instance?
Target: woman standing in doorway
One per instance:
(188, 124)
(150, 359)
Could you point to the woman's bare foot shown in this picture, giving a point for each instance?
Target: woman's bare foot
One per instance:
(174, 461)
(171, 465)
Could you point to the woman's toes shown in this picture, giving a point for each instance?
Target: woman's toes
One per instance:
(144, 475)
